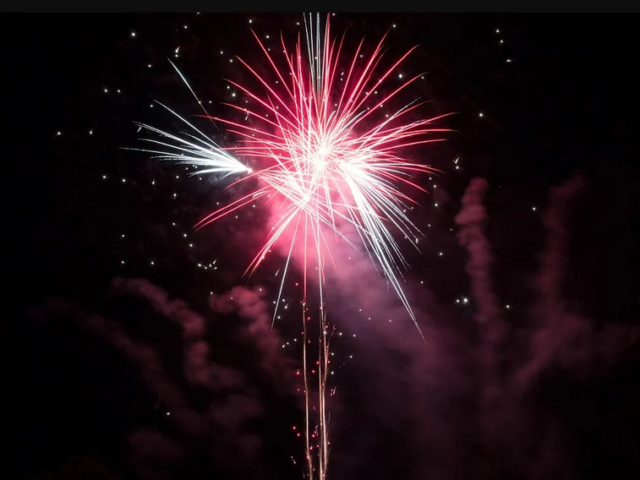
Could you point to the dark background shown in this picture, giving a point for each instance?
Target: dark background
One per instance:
(565, 103)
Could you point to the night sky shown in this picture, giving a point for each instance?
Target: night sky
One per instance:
(132, 337)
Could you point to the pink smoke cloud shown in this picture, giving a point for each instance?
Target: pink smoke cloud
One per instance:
(472, 219)
(251, 305)
(234, 410)
(562, 335)
(493, 329)
(146, 358)
(152, 453)
(198, 368)
(222, 427)
(456, 392)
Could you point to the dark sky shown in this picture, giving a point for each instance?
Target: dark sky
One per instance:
(99, 351)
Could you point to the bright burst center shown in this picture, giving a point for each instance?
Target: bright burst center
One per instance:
(324, 140)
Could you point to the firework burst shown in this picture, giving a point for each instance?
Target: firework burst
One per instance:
(320, 147)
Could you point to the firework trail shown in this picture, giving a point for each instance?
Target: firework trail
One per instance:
(322, 150)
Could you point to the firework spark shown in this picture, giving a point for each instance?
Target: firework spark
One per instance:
(321, 147)
(192, 150)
